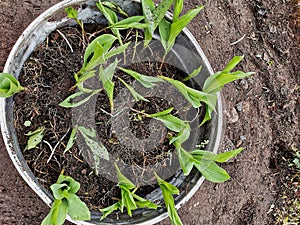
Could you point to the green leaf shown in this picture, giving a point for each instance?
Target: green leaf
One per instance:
(216, 82)
(113, 6)
(111, 17)
(35, 137)
(177, 9)
(73, 185)
(193, 74)
(68, 102)
(164, 32)
(182, 136)
(57, 214)
(135, 95)
(162, 113)
(131, 22)
(144, 203)
(148, 6)
(168, 190)
(186, 161)
(9, 85)
(178, 25)
(212, 172)
(117, 51)
(110, 209)
(106, 76)
(97, 48)
(220, 157)
(60, 191)
(233, 63)
(153, 16)
(99, 151)
(108, 13)
(124, 181)
(72, 13)
(71, 140)
(193, 96)
(77, 209)
(146, 81)
(171, 122)
(65, 201)
(160, 11)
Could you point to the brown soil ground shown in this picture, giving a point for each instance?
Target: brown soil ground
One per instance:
(261, 113)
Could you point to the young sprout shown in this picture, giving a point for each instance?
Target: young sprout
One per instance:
(170, 30)
(9, 85)
(35, 137)
(153, 16)
(205, 162)
(168, 190)
(109, 9)
(129, 199)
(66, 202)
(73, 14)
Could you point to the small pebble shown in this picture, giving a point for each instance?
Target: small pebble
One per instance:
(243, 138)
(233, 116)
(239, 106)
(83, 172)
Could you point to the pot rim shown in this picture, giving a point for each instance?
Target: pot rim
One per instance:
(9, 143)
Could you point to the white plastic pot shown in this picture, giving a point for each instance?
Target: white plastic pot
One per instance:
(37, 32)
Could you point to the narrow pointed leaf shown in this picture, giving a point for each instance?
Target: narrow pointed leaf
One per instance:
(57, 214)
(181, 23)
(135, 95)
(177, 9)
(69, 103)
(116, 51)
(131, 22)
(146, 81)
(71, 140)
(164, 32)
(193, 74)
(108, 210)
(105, 41)
(162, 113)
(212, 172)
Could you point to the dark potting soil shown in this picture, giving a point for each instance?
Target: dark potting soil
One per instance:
(48, 76)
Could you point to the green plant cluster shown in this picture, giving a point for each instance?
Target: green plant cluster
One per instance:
(95, 64)
(66, 202)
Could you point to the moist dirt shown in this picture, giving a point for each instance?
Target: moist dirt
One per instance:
(261, 112)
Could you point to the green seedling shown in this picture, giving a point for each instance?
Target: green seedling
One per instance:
(212, 86)
(35, 138)
(216, 82)
(9, 85)
(96, 54)
(109, 10)
(73, 14)
(168, 190)
(170, 30)
(72, 139)
(205, 162)
(153, 16)
(66, 202)
(175, 124)
(98, 149)
(129, 199)
(106, 76)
